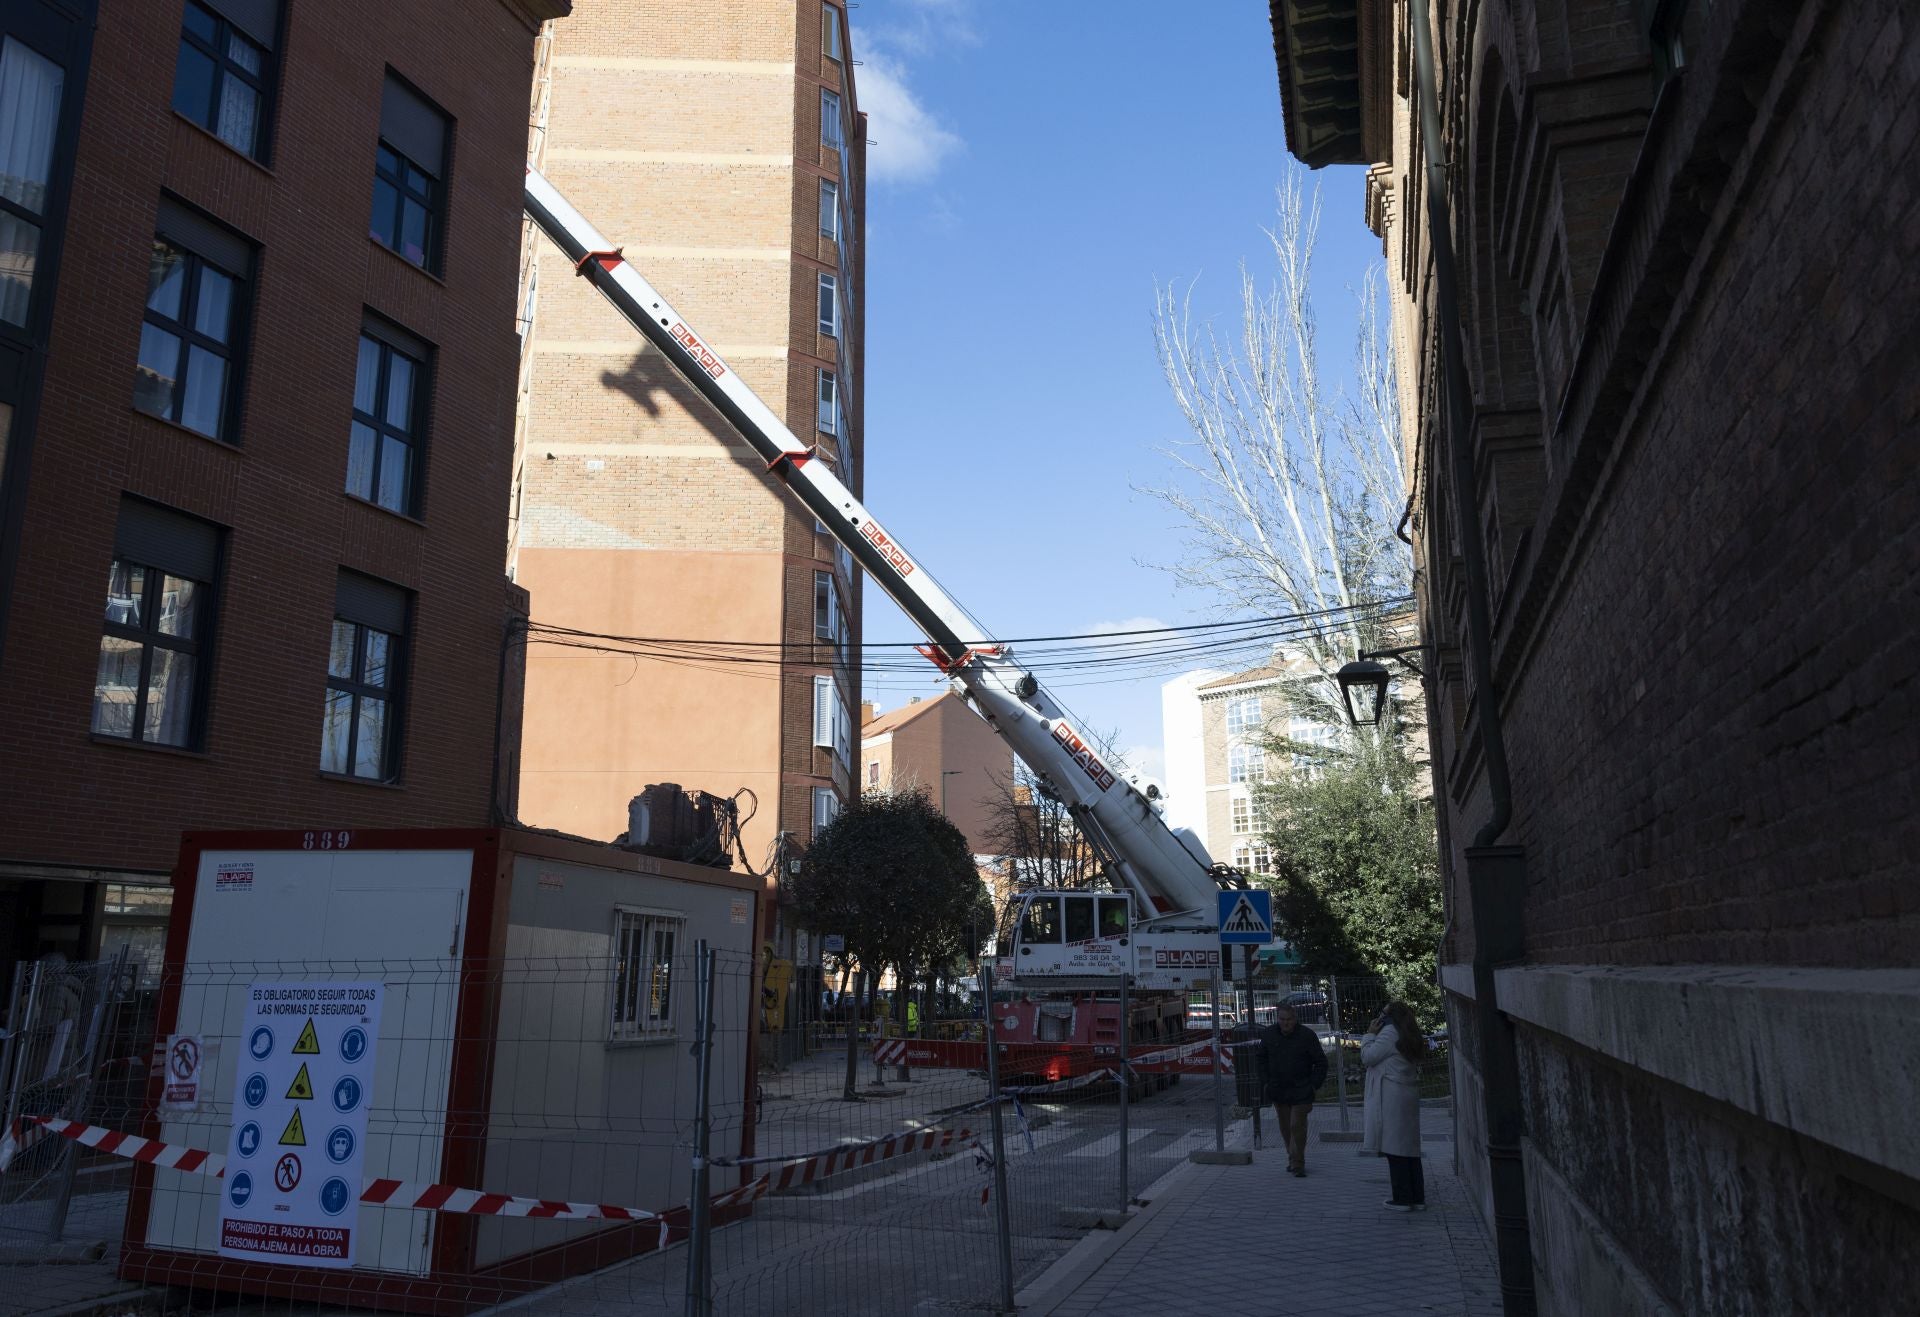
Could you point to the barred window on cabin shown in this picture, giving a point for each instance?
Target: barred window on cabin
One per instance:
(646, 946)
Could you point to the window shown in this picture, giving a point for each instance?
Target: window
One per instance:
(30, 88)
(1247, 814)
(360, 733)
(408, 175)
(1113, 916)
(645, 943)
(1243, 715)
(388, 398)
(825, 606)
(1306, 732)
(826, 808)
(829, 209)
(832, 727)
(828, 421)
(830, 120)
(221, 80)
(1080, 919)
(1253, 858)
(829, 305)
(830, 32)
(1041, 921)
(196, 291)
(1246, 763)
(149, 685)
(873, 776)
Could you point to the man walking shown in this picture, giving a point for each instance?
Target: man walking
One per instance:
(1295, 1067)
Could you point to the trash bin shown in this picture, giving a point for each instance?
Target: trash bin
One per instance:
(1249, 1072)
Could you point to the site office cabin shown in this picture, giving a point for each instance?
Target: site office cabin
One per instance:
(502, 1064)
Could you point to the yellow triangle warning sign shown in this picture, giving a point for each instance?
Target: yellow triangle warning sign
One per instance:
(295, 1133)
(309, 1044)
(301, 1089)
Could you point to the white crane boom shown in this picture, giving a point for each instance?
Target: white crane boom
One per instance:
(1173, 886)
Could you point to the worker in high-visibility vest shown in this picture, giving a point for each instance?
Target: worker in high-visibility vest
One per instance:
(913, 1018)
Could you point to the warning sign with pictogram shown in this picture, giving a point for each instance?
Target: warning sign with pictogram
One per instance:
(307, 1043)
(182, 1091)
(1246, 917)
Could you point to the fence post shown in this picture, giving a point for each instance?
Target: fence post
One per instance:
(1002, 1222)
(1339, 1048)
(1126, 1093)
(1219, 1102)
(16, 1021)
(98, 1007)
(700, 1235)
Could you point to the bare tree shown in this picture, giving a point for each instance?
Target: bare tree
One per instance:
(1291, 491)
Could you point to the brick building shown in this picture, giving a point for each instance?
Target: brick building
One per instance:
(1679, 973)
(256, 460)
(723, 146)
(941, 746)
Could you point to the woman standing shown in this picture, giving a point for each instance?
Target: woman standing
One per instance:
(1392, 1053)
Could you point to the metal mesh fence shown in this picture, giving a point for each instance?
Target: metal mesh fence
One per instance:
(531, 1133)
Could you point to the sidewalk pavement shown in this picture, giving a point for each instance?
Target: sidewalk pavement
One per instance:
(1257, 1242)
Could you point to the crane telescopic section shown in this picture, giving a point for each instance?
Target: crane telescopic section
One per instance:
(1171, 939)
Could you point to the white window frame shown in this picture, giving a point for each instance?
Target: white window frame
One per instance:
(1246, 763)
(826, 808)
(830, 134)
(637, 1020)
(827, 393)
(826, 607)
(832, 724)
(829, 209)
(830, 32)
(829, 304)
(1243, 715)
(1241, 810)
(1255, 857)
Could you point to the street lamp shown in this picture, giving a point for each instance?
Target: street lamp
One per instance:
(1363, 683)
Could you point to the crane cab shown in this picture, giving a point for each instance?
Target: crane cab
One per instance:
(1072, 933)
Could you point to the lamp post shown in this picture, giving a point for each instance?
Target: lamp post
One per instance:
(1363, 683)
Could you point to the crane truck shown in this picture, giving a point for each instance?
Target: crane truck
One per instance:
(1159, 924)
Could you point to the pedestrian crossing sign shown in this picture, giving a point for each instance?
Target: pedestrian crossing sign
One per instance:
(1246, 917)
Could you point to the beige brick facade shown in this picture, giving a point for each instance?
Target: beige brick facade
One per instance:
(691, 136)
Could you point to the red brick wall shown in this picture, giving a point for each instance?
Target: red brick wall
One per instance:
(75, 800)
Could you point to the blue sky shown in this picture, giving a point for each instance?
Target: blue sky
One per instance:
(1038, 166)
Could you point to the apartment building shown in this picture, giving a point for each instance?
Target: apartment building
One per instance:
(723, 147)
(1238, 715)
(941, 746)
(255, 392)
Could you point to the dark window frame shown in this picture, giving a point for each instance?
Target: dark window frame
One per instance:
(408, 176)
(233, 351)
(199, 646)
(262, 83)
(391, 343)
(398, 629)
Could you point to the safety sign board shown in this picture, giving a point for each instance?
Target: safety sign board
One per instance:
(182, 1066)
(301, 1092)
(1246, 917)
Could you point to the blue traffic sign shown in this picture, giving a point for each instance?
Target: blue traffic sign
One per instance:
(239, 1189)
(353, 1045)
(256, 1091)
(260, 1045)
(1246, 917)
(249, 1140)
(346, 1094)
(334, 1196)
(340, 1143)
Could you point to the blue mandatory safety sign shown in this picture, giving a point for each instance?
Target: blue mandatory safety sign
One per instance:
(260, 1045)
(334, 1196)
(256, 1090)
(353, 1045)
(340, 1144)
(346, 1094)
(1246, 917)
(249, 1141)
(239, 1189)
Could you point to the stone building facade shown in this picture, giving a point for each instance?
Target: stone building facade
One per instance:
(256, 378)
(723, 147)
(1685, 240)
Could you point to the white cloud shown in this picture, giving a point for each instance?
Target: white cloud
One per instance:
(1148, 759)
(922, 27)
(1126, 624)
(909, 143)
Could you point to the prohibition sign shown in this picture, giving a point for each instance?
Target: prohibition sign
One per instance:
(185, 1058)
(286, 1173)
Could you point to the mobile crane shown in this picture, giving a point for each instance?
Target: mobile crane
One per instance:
(1160, 925)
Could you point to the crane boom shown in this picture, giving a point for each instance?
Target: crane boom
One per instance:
(1172, 885)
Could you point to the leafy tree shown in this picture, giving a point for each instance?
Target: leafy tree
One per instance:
(895, 878)
(1355, 875)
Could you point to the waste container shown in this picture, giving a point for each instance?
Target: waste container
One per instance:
(1249, 1072)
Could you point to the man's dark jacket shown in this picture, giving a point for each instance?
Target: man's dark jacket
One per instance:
(1295, 1066)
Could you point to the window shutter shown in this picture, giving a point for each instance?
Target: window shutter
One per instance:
(371, 603)
(823, 712)
(171, 541)
(204, 238)
(413, 125)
